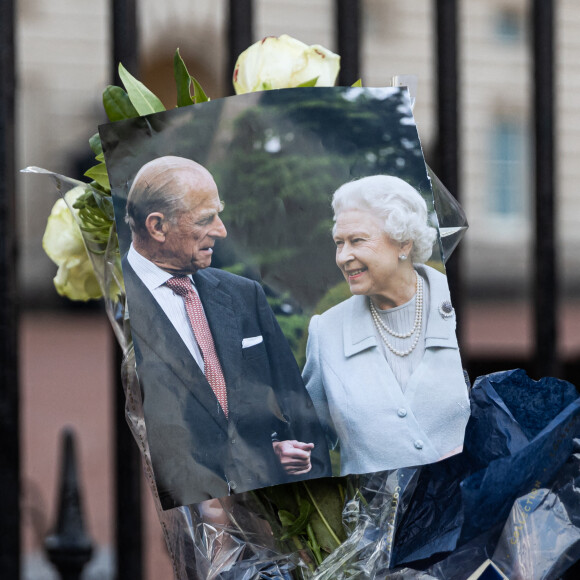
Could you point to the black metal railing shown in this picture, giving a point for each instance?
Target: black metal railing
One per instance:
(128, 531)
(68, 546)
(545, 282)
(9, 396)
(240, 35)
(348, 24)
(447, 159)
(347, 19)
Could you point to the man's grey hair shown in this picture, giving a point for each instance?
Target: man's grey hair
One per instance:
(160, 186)
(398, 205)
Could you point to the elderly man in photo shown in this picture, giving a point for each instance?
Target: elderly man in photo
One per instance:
(224, 403)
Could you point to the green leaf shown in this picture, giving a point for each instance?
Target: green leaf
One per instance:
(117, 104)
(100, 175)
(100, 157)
(105, 203)
(327, 520)
(295, 526)
(99, 187)
(310, 83)
(144, 101)
(182, 81)
(286, 518)
(199, 95)
(95, 212)
(95, 144)
(357, 83)
(281, 496)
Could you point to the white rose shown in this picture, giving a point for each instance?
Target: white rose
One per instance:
(63, 243)
(284, 62)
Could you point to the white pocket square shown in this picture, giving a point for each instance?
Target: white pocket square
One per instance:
(253, 340)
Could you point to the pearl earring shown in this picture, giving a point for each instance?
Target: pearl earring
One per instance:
(402, 257)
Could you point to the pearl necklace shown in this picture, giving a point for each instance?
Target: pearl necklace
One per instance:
(416, 326)
(418, 312)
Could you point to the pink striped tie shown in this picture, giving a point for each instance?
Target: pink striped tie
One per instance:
(183, 286)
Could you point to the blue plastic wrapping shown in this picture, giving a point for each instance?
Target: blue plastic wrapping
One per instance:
(518, 459)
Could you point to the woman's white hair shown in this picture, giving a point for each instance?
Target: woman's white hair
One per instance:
(399, 206)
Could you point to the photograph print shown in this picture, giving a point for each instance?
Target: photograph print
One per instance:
(287, 298)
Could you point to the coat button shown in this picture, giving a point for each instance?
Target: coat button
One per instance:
(418, 444)
(234, 441)
(402, 412)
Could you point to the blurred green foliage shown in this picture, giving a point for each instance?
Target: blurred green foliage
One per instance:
(286, 156)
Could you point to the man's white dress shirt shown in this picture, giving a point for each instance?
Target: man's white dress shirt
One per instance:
(172, 304)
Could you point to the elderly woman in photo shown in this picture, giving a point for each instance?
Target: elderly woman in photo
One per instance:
(383, 367)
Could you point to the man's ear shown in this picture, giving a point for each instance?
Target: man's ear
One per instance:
(156, 226)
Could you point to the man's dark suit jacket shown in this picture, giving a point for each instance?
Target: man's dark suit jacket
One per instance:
(197, 453)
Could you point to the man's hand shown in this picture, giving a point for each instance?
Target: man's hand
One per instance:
(294, 456)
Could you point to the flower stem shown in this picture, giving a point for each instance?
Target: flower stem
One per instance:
(324, 520)
(305, 557)
(314, 546)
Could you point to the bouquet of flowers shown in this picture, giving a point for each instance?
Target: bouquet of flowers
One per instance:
(438, 521)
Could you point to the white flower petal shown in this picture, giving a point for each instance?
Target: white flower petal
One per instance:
(62, 237)
(63, 243)
(284, 62)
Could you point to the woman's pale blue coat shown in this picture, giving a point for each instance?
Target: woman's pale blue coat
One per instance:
(361, 404)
